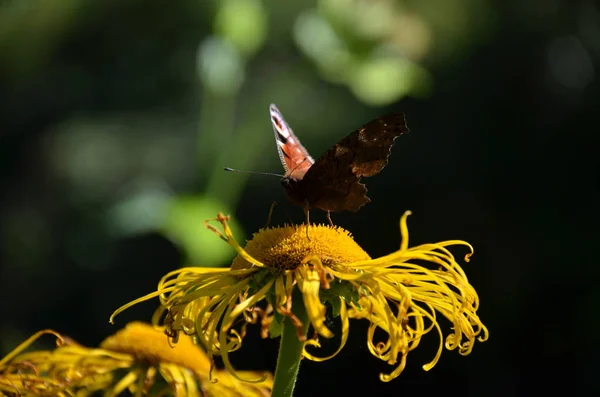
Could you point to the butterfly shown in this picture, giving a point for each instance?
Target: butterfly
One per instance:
(332, 183)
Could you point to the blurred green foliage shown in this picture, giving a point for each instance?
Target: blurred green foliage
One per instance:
(183, 225)
(243, 23)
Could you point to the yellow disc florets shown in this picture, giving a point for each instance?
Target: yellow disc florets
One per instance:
(149, 344)
(284, 248)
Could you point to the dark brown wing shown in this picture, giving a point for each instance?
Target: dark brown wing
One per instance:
(332, 183)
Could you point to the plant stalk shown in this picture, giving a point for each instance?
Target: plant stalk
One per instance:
(290, 351)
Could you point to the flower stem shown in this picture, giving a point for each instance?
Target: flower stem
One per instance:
(290, 351)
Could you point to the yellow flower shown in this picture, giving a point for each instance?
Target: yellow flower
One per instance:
(137, 359)
(400, 294)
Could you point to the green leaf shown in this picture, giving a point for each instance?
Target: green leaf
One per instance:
(337, 290)
(276, 327)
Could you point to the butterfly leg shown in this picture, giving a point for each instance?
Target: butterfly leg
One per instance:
(271, 213)
(329, 218)
(289, 217)
(307, 213)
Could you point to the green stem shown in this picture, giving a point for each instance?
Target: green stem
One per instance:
(290, 352)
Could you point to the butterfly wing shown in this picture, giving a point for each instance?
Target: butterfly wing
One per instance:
(332, 183)
(294, 157)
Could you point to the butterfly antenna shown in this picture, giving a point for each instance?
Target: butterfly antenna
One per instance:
(253, 172)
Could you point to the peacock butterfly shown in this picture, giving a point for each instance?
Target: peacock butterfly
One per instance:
(332, 183)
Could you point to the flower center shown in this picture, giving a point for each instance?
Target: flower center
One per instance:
(284, 248)
(144, 342)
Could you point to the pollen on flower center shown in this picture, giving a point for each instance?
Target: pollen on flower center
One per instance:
(145, 342)
(284, 248)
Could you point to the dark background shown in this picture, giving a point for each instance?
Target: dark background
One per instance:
(116, 118)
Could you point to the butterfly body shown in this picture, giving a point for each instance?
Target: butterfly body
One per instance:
(332, 183)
